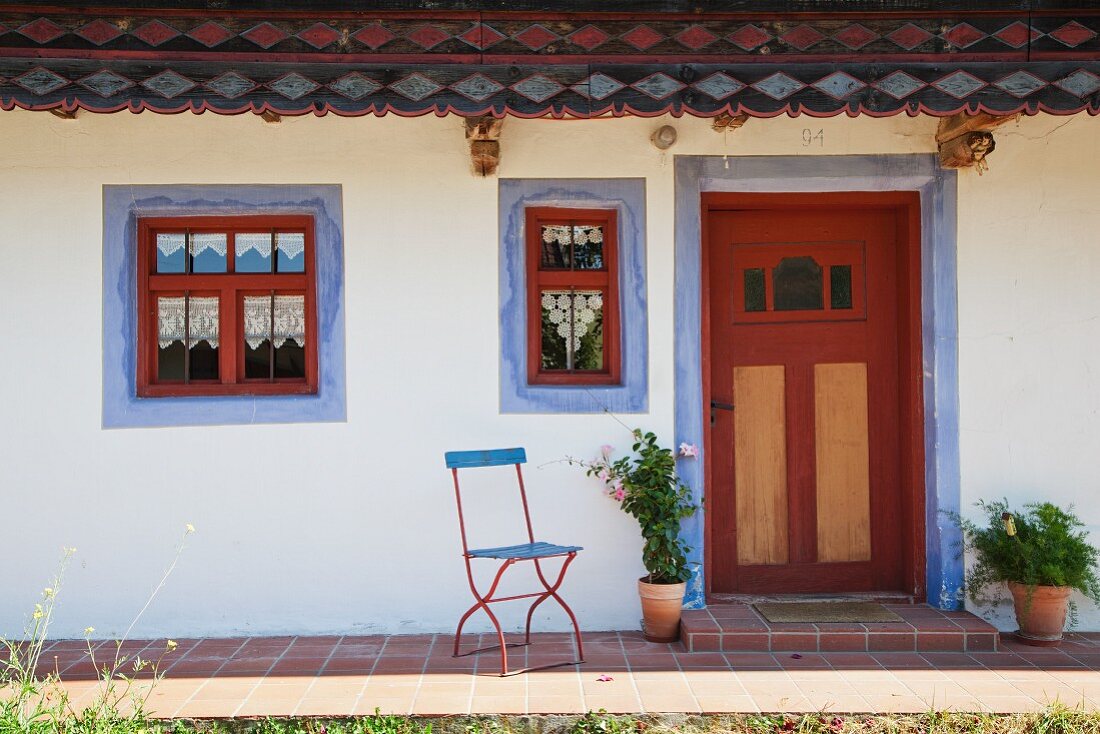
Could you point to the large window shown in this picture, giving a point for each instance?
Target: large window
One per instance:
(572, 297)
(226, 306)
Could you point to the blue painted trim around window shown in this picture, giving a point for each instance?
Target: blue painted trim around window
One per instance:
(696, 174)
(123, 205)
(627, 197)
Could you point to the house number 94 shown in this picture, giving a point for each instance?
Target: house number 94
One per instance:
(809, 137)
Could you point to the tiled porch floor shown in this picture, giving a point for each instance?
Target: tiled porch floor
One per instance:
(417, 675)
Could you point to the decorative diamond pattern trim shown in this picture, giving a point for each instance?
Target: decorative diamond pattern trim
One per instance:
(477, 88)
(210, 34)
(293, 85)
(416, 87)
(538, 88)
(719, 85)
(105, 83)
(779, 85)
(910, 36)
(1020, 84)
(839, 85)
(354, 86)
(963, 35)
(695, 37)
(1017, 34)
(750, 37)
(802, 37)
(265, 35)
(659, 85)
(155, 33)
(536, 37)
(642, 37)
(599, 86)
(231, 85)
(588, 38)
(1072, 34)
(856, 36)
(899, 85)
(319, 35)
(1080, 83)
(42, 30)
(959, 84)
(168, 84)
(99, 32)
(40, 81)
(427, 37)
(482, 36)
(373, 36)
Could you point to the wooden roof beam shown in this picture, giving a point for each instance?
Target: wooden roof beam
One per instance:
(484, 136)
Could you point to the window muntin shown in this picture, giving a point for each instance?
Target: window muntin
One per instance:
(226, 306)
(572, 297)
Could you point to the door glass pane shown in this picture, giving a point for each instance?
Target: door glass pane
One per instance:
(572, 330)
(208, 252)
(290, 336)
(291, 247)
(588, 248)
(797, 285)
(171, 252)
(555, 247)
(755, 299)
(257, 337)
(840, 285)
(253, 252)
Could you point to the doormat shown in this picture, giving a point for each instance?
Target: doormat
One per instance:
(826, 611)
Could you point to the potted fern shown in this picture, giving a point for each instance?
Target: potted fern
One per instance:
(1042, 555)
(647, 487)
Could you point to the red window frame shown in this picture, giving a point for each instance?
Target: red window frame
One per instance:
(606, 280)
(231, 288)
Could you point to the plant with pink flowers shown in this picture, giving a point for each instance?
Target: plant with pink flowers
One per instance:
(646, 485)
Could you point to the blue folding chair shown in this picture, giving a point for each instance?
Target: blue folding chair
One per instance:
(510, 555)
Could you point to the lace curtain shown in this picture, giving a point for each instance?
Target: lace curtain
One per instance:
(291, 244)
(200, 320)
(559, 233)
(258, 241)
(586, 305)
(289, 320)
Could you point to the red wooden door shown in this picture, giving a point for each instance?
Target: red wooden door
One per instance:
(806, 489)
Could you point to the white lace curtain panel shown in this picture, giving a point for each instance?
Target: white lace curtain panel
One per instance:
(582, 235)
(289, 320)
(292, 244)
(586, 305)
(200, 320)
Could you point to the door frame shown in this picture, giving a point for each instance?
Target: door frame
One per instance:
(911, 426)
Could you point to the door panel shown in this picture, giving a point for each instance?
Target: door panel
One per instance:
(760, 463)
(805, 477)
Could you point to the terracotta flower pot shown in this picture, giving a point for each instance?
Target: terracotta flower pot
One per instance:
(1040, 612)
(661, 604)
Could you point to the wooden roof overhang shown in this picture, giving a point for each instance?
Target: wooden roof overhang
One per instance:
(575, 57)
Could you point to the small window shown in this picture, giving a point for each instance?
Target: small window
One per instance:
(572, 297)
(226, 306)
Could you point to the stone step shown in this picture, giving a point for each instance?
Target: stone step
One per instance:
(737, 627)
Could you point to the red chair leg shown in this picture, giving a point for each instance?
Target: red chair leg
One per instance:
(552, 592)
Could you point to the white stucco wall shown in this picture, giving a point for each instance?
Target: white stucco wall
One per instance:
(357, 531)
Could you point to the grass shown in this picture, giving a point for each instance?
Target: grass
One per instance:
(1053, 720)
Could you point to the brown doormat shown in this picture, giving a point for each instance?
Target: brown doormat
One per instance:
(826, 611)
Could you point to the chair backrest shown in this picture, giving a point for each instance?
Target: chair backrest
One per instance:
(479, 459)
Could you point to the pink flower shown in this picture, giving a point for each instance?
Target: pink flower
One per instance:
(689, 450)
(606, 450)
(604, 475)
(620, 494)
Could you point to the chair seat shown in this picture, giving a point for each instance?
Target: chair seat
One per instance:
(524, 551)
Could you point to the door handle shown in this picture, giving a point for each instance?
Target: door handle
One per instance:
(715, 405)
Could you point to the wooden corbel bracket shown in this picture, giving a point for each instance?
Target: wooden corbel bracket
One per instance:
(965, 140)
(484, 136)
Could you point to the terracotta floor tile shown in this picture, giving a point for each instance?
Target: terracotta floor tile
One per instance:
(369, 705)
(342, 706)
(210, 709)
(624, 704)
(441, 705)
(779, 703)
(727, 704)
(713, 688)
(837, 704)
(895, 704)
